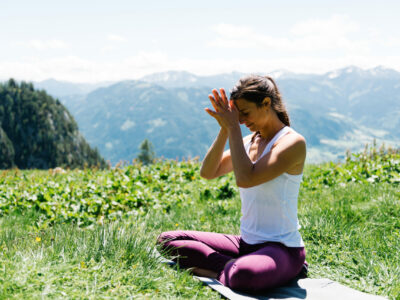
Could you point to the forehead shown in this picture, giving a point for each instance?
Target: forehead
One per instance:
(243, 104)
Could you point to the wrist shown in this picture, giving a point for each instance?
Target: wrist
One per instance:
(233, 129)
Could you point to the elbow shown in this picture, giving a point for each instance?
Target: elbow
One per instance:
(244, 180)
(242, 183)
(205, 175)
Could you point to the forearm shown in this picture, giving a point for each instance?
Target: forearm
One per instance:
(242, 165)
(213, 157)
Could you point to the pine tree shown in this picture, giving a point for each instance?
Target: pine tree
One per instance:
(6, 151)
(37, 131)
(146, 155)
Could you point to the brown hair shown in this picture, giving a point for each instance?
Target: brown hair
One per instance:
(255, 88)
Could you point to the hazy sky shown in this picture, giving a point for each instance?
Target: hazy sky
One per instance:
(89, 41)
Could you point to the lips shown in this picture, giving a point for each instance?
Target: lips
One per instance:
(248, 125)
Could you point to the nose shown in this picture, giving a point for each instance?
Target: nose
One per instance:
(241, 119)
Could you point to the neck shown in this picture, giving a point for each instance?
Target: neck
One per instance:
(272, 128)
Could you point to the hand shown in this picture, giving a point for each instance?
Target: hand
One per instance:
(225, 112)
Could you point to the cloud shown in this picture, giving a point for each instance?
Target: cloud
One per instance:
(42, 44)
(116, 38)
(391, 42)
(336, 25)
(75, 69)
(335, 33)
(233, 36)
(108, 49)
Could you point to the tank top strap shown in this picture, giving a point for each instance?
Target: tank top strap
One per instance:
(246, 147)
(277, 136)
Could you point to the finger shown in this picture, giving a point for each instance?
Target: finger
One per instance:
(213, 102)
(217, 104)
(210, 112)
(217, 97)
(232, 105)
(223, 96)
(219, 101)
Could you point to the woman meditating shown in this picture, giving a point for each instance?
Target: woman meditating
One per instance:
(268, 167)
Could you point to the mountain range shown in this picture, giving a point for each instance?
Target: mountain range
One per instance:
(339, 110)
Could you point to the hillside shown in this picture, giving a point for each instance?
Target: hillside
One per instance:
(120, 117)
(37, 131)
(340, 110)
(96, 230)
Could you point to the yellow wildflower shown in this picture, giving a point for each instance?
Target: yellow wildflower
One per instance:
(38, 239)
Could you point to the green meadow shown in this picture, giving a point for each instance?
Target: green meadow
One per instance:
(90, 234)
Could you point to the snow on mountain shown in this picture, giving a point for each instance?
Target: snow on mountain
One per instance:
(339, 110)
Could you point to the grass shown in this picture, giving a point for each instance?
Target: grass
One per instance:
(351, 232)
(101, 262)
(352, 235)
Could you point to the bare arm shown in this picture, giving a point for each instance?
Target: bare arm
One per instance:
(289, 153)
(287, 156)
(217, 162)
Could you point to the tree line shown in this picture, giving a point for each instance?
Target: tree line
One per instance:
(37, 131)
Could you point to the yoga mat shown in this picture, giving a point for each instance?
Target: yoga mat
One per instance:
(305, 288)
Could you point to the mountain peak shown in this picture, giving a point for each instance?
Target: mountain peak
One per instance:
(357, 71)
(169, 76)
(377, 72)
(384, 72)
(279, 73)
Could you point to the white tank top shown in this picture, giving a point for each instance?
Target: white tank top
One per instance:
(269, 210)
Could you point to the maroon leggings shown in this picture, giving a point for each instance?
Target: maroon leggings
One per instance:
(255, 268)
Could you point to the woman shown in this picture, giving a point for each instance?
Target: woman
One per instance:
(268, 166)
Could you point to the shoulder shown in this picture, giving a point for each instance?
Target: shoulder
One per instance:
(292, 138)
(292, 143)
(295, 138)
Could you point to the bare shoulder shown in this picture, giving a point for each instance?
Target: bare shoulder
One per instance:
(291, 143)
(295, 138)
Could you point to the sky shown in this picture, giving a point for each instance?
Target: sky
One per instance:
(96, 41)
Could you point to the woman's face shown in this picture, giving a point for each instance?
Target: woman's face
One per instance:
(252, 116)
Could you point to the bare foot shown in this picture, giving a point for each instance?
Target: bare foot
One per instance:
(229, 262)
(203, 272)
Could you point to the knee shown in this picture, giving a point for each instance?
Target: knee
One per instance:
(163, 238)
(241, 278)
(167, 236)
(251, 279)
(163, 243)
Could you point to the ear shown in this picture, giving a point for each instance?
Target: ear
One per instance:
(267, 102)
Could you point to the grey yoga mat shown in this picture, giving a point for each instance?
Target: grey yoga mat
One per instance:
(311, 289)
(306, 288)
